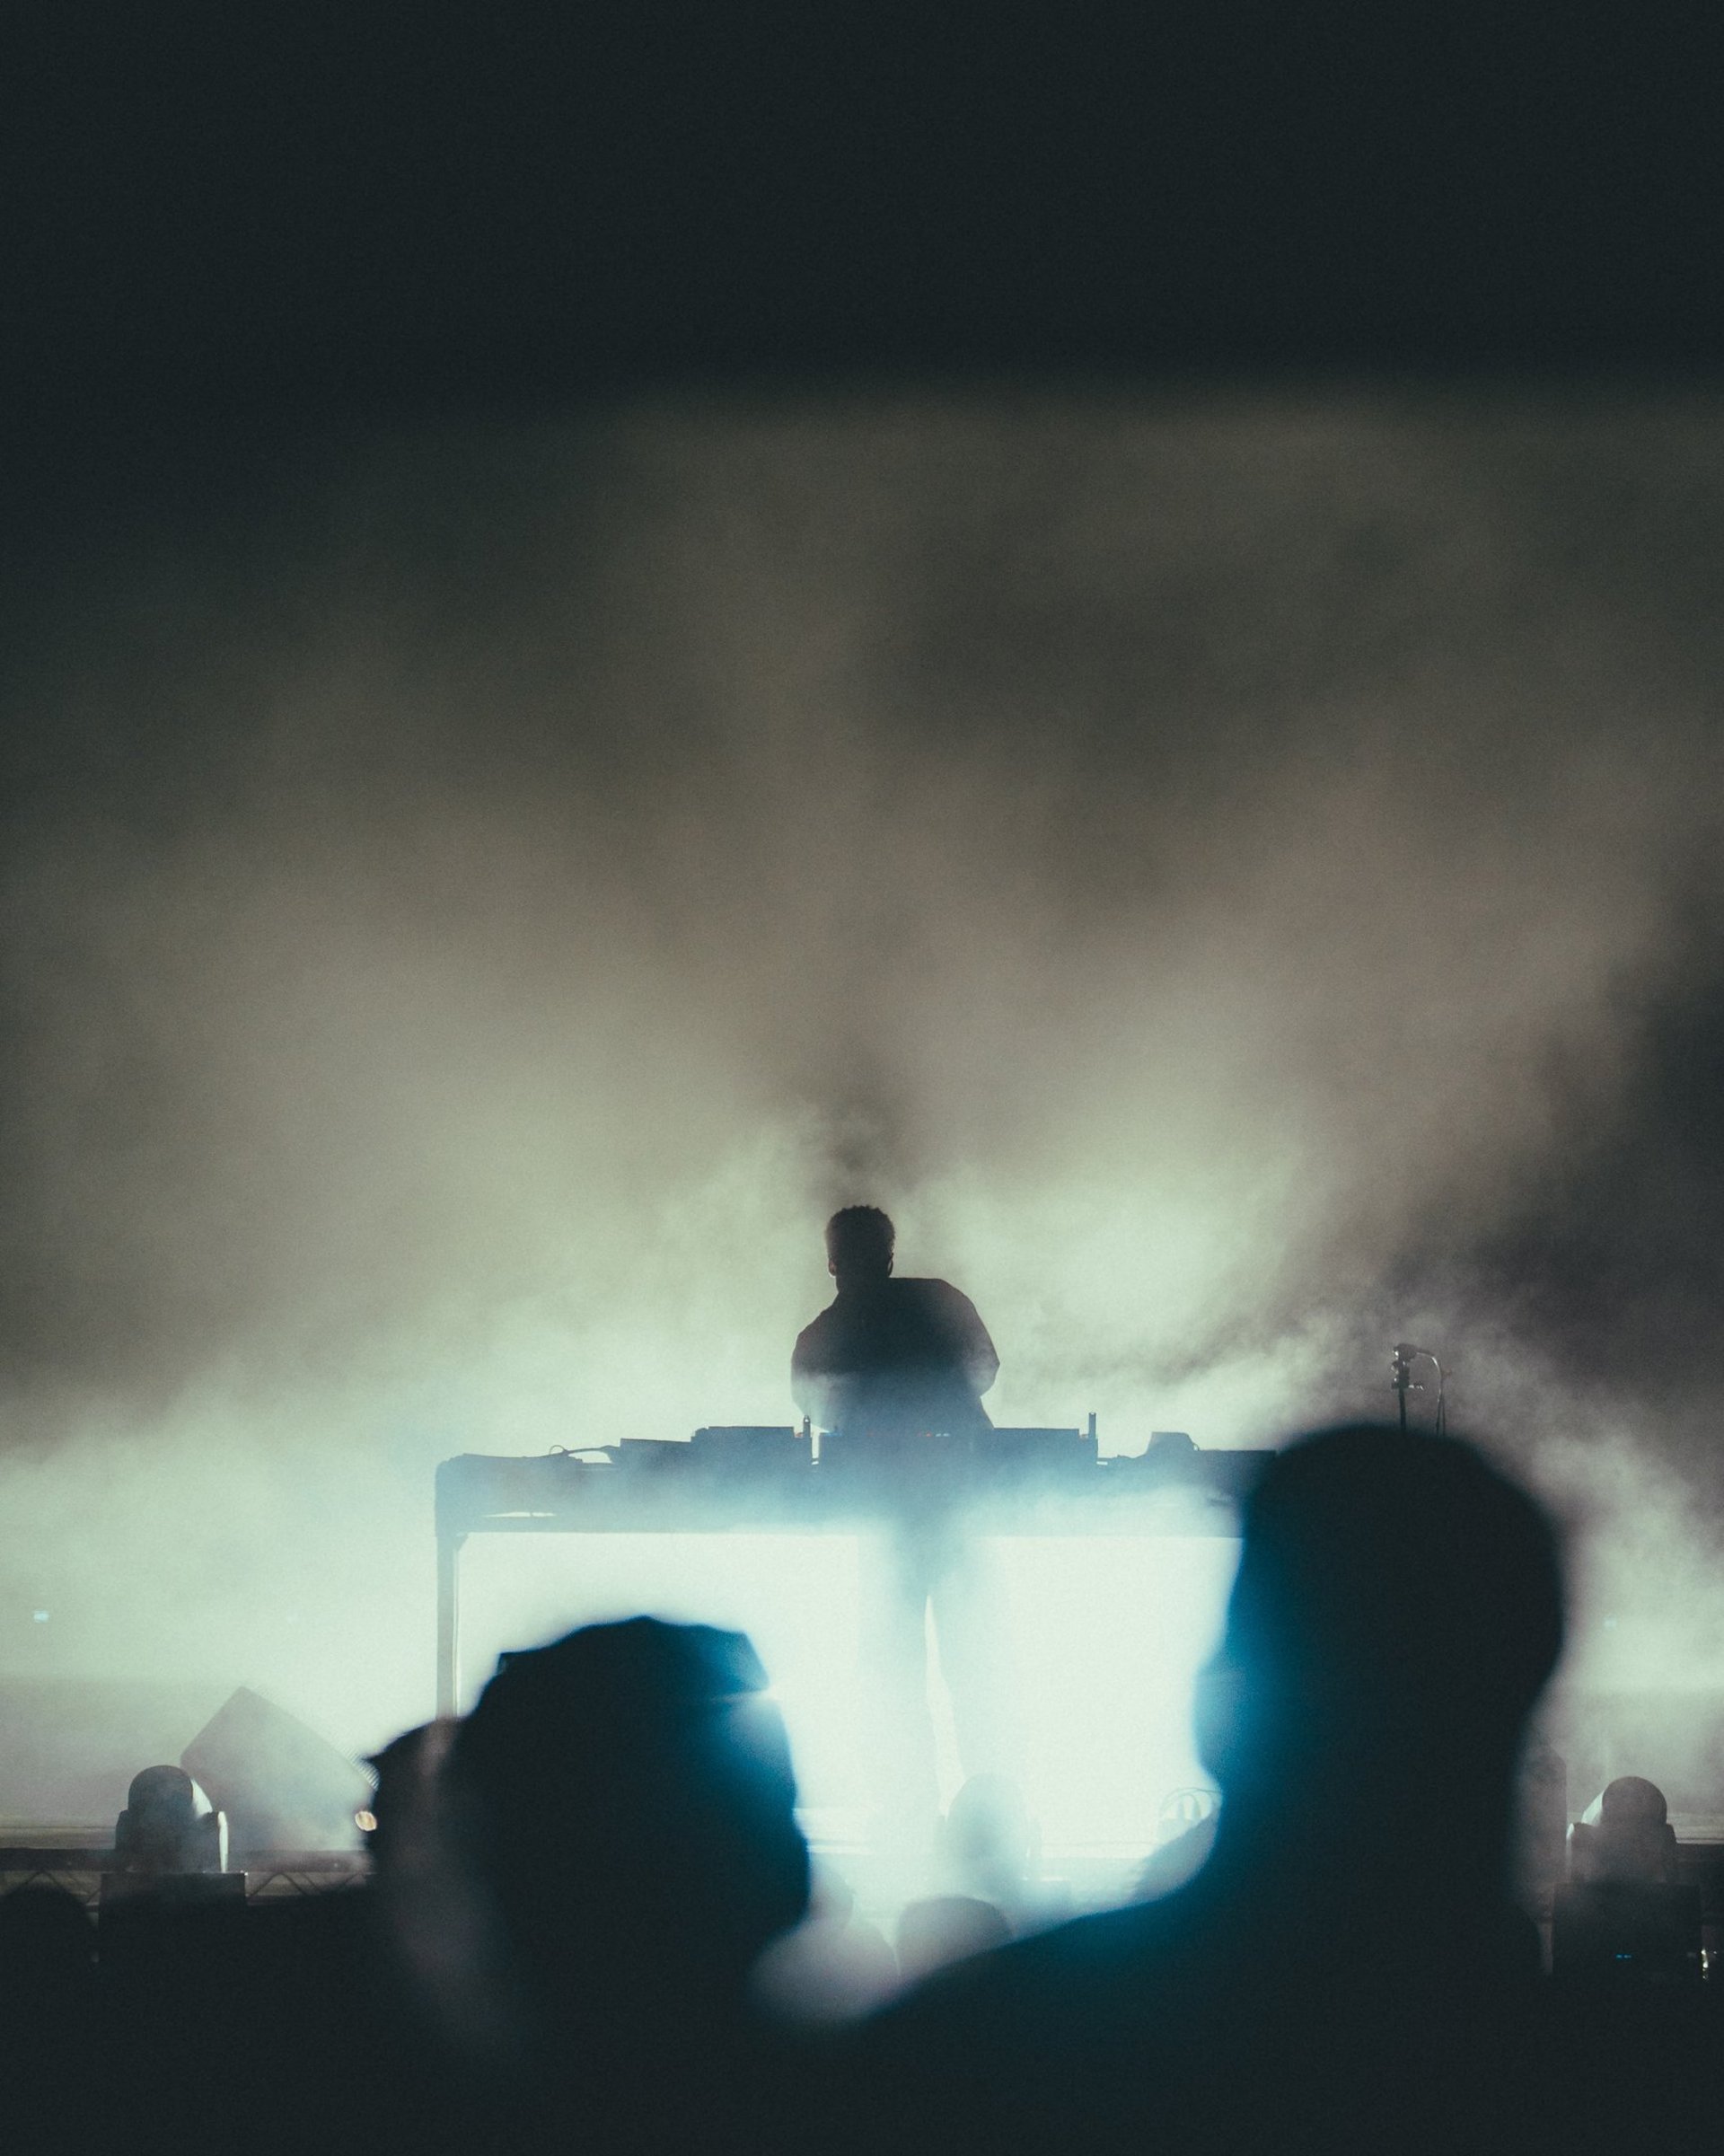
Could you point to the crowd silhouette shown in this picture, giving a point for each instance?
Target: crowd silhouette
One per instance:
(591, 1922)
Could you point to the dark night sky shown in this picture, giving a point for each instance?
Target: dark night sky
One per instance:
(218, 214)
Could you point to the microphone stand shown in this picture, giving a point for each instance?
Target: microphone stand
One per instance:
(1400, 1378)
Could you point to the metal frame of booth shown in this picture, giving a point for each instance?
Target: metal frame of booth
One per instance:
(1190, 1492)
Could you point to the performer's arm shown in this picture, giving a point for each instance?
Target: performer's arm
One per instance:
(970, 1336)
(802, 1387)
(981, 1362)
(810, 1383)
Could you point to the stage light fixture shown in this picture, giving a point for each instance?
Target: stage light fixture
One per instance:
(1621, 1917)
(281, 1784)
(169, 1826)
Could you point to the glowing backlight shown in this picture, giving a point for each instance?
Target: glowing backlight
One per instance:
(1101, 1636)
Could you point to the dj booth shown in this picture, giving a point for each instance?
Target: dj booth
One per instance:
(780, 1479)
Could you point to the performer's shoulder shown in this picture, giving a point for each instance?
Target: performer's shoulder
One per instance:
(930, 1290)
(815, 1330)
(941, 1295)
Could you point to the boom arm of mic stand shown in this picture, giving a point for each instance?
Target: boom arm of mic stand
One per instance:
(1400, 1377)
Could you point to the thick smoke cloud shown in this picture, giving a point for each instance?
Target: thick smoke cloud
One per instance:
(1210, 865)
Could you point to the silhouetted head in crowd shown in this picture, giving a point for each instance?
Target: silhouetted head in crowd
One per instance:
(403, 1803)
(988, 1840)
(47, 1951)
(628, 1803)
(1397, 1611)
(859, 1243)
(943, 1928)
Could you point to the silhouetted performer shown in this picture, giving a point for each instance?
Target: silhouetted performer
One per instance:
(897, 1368)
(1348, 1973)
(891, 1363)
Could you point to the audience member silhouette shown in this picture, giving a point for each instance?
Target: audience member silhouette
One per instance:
(563, 1939)
(942, 1930)
(47, 1955)
(835, 1966)
(336, 2021)
(278, 2026)
(989, 1846)
(48, 2002)
(1348, 1972)
(624, 1802)
(570, 1890)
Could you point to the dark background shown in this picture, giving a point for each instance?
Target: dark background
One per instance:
(217, 217)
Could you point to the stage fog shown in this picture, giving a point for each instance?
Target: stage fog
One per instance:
(1234, 875)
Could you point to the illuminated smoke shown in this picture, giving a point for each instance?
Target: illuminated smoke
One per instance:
(473, 905)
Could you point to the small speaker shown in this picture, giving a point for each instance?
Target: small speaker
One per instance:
(750, 1447)
(655, 1455)
(1034, 1454)
(282, 1785)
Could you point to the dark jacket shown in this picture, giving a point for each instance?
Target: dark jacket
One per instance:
(895, 1358)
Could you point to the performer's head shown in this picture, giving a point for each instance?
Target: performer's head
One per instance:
(858, 1246)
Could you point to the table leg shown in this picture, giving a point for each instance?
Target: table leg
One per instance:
(449, 1624)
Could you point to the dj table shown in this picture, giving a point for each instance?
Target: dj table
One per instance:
(776, 1481)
